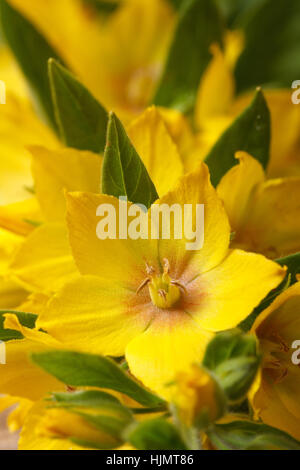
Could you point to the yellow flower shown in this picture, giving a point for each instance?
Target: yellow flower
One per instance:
(153, 300)
(197, 396)
(44, 263)
(264, 215)
(36, 435)
(275, 395)
(120, 59)
(217, 107)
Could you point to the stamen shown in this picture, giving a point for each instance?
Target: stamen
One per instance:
(143, 284)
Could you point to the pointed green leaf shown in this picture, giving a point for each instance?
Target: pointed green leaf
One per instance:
(26, 319)
(155, 434)
(86, 399)
(32, 52)
(250, 132)
(272, 45)
(292, 262)
(123, 172)
(199, 26)
(87, 370)
(247, 435)
(81, 120)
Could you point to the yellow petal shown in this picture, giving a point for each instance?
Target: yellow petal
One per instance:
(9, 244)
(11, 74)
(44, 261)
(19, 127)
(11, 294)
(281, 315)
(30, 439)
(233, 289)
(195, 188)
(12, 322)
(19, 377)
(272, 224)
(155, 146)
(237, 186)
(171, 343)
(216, 90)
(67, 169)
(21, 217)
(96, 316)
(17, 417)
(114, 259)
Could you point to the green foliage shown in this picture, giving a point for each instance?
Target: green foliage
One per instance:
(250, 132)
(123, 172)
(87, 370)
(199, 26)
(155, 434)
(247, 435)
(81, 120)
(272, 45)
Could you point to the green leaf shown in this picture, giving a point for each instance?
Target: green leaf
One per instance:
(237, 375)
(155, 434)
(234, 9)
(32, 52)
(81, 120)
(228, 345)
(104, 6)
(89, 399)
(272, 45)
(250, 132)
(123, 172)
(26, 319)
(247, 435)
(233, 358)
(87, 370)
(199, 26)
(293, 264)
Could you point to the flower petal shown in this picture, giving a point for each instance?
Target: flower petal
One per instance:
(156, 148)
(44, 261)
(272, 225)
(171, 343)
(115, 259)
(67, 169)
(237, 186)
(95, 316)
(195, 188)
(233, 289)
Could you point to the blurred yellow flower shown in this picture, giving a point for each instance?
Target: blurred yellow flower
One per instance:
(275, 394)
(264, 215)
(120, 59)
(197, 396)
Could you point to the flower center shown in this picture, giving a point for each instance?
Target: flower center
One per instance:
(164, 291)
(276, 358)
